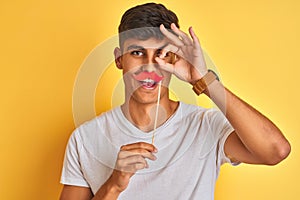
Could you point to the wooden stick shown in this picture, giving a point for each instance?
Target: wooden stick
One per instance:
(156, 114)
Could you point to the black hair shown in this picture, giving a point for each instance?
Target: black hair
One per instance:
(143, 21)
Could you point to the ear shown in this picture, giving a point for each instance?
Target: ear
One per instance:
(118, 57)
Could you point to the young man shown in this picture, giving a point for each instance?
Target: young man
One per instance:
(152, 147)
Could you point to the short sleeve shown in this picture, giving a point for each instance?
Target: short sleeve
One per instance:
(71, 172)
(222, 128)
(222, 158)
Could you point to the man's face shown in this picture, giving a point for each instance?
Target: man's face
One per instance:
(141, 73)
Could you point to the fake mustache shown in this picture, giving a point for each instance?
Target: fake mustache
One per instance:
(143, 75)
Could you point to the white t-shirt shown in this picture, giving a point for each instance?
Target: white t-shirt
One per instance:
(190, 152)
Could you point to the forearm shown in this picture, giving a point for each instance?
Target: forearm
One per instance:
(257, 133)
(107, 191)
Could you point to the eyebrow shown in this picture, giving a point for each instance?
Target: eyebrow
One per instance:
(134, 47)
(142, 48)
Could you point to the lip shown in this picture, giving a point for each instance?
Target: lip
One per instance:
(148, 75)
(149, 88)
(148, 80)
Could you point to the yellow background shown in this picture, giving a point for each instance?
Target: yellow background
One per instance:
(255, 45)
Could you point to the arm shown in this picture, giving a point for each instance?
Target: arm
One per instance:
(255, 139)
(107, 191)
(76, 192)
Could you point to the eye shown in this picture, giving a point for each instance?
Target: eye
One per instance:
(137, 53)
(159, 52)
(167, 55)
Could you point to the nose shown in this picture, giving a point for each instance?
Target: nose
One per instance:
(149, 67)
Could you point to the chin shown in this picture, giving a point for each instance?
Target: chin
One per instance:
(144, 99)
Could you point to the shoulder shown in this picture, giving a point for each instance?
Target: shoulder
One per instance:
(102, 119)
(189, 110)
(94, 127)
(211, 118)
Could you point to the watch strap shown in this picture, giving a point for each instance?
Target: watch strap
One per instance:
(205, 81)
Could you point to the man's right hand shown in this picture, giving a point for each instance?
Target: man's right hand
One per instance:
(131, 158)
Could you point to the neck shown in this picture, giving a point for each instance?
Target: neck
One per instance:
(142, 115)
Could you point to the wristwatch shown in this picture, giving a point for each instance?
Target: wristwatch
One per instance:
(205, 81)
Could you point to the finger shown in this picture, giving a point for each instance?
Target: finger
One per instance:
(138, 166)
(134, 167)
(165, 65)
(134, 152)
(169, 53)
(171, 47)
(196, 41)
(173, 38)
(184, 37)
(197, 45)
(131, 164)
(139, 145)
(131, 160)
(169, 57)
